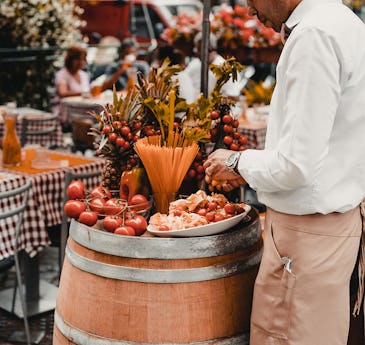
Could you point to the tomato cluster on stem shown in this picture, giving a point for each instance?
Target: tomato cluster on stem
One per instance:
(116, 215)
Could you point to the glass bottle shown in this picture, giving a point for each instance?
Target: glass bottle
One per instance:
(11, 146)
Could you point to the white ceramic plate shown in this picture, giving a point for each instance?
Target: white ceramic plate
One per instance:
(204, 230)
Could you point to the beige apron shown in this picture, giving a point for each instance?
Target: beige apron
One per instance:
(301, 294)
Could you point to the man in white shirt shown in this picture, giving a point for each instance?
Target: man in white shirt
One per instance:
(311, 175)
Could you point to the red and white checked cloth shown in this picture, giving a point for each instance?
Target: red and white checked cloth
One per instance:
(44, 206)
(43, 140)
(255, 133)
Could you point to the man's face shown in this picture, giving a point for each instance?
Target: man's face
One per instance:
(272, 13)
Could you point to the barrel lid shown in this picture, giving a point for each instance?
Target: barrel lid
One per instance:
(242, 236)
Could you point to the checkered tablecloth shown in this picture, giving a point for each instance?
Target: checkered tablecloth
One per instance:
(255, 133)
(43, 140)
(45, 205)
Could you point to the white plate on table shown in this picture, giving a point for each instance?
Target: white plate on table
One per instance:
(204, 230)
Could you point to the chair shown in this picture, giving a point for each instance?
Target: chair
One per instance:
(44, 126)
(70, 176)
(81, 123)
(19, 211)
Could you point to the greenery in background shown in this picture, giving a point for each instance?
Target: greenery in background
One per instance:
(33, 34)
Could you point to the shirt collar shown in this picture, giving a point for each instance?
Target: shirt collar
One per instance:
(303, 8)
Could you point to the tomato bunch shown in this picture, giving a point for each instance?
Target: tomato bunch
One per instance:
(224, 133)
(213, 212)
(225, 129)
(116, 215)
(196, 170)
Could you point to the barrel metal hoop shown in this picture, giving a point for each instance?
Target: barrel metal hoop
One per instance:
(162, 276)
(81, 337)
(241, 237)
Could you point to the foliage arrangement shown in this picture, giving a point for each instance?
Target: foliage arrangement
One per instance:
(150, 108)
(185, 29)
(39, 23)
(235, 28)
(34, 33)
(258, 93)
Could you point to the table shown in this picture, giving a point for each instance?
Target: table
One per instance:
(44, 210)
(57, 139)
(83, 104)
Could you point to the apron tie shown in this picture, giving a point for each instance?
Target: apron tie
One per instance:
(361, 265)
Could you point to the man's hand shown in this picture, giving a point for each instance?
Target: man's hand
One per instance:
(216, 170)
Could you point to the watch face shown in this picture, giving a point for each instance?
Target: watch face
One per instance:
(231, 161)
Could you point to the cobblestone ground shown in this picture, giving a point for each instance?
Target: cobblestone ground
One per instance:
(9, 323)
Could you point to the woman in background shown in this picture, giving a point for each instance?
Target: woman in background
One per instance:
(71, 80)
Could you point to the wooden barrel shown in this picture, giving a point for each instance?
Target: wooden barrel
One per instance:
(149, 290)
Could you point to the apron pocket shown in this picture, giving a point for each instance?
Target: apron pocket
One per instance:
(272, 296)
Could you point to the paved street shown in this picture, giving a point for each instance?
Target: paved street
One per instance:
(44, 322)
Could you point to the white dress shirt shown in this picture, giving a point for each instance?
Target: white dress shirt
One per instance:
(314, 156)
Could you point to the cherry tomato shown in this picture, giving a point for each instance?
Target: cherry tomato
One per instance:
(125, 130)
(107, 129)
(177, 213)
(138, 223)
(125, 230)
(137, 199)
(137, 125)
(114, 206)
(200, 169)
(163, 228)
(210, 216)
(120, 141)
(97, 204)
(236, 135)
(214, 115)
(100, 192)
(227, 128)
(76, 190)
(117, 124)
(88, 218)
(242, 140)
(202, 212)
(214, 131)
(218, 217)
(191, 173)
(227, 119)
(212, 206)
(230, 208)
(227, 140)
(73, 208)
(113, 137)
(110, 223)
(234, 147)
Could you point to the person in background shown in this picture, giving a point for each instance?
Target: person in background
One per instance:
(71, 80)
(314, 227)
(193, 69)
(121, 71)
(176, 57)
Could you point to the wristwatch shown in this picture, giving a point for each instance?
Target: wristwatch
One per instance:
(232, 162)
